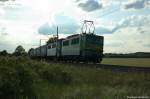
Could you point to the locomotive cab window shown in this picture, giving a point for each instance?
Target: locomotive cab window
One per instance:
(66, 43)
(94, 40)
(49, 47)
(75, 41)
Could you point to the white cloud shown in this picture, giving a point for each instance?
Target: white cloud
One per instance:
(20, 23)
(126, 41)
(22, 18)
(136, 4)
(131, 36)
(90, 5)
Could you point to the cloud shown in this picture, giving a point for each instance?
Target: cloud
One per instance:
(135, 21)
(45, 29)
(18, 33)
(18, 25)
(28, 21)
(3, 0)
(90, 5)
(147, 45)
(127, 40)
(115, 43)
(129, 35)
(18, 12)
(69, 29)
(131, 21)
(22, 20)
(136, 4)
(104, 30)
(66, 25)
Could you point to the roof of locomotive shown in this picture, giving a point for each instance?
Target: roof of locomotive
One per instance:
(76, 35)
(73, 36)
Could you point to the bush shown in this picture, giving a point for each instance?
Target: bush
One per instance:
(16, 80)
(21, 77)
(56, 75)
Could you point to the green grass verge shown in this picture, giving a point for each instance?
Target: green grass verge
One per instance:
(140, 62)
(31, 79)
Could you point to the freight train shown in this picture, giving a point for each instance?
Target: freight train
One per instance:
(84, 47)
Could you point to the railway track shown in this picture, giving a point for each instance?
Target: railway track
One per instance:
(110, 67)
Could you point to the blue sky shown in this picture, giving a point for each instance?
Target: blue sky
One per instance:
(123, 23)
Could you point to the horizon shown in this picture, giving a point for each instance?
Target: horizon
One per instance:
(123, 23)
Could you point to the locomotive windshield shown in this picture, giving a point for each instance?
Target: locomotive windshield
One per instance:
(94, 43)
(95, 40)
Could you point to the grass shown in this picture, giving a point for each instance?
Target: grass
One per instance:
(49, 80)
(140, 62)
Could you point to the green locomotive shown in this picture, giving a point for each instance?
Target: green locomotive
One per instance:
(82, 47)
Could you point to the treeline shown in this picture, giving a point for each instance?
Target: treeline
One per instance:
(19, 51)
(129, 55)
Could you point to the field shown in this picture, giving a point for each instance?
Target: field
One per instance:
(30, 79)
(140, 62)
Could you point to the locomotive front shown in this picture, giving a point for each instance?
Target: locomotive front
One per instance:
(91, 44)
(92, 47)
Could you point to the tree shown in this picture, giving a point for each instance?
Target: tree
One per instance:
(51, 40)
(19, 51)
(3, 53)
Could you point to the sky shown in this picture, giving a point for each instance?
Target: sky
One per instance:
(123, 23)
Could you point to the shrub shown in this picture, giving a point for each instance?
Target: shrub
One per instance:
(20, 77)
(56, 75)
(16, 81)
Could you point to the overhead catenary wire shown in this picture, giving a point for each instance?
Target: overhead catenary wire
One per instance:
(113, 11)
(103, 15)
